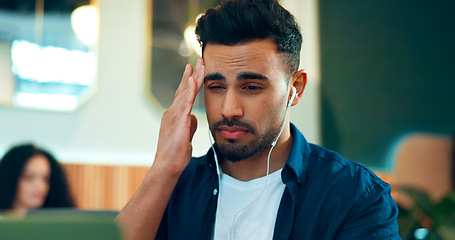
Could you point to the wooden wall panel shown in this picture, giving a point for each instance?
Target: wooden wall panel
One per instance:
(101, 187)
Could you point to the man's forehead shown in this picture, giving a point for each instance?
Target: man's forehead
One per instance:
(266, 44)
(256, 56)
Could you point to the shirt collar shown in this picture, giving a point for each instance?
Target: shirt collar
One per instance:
(299, 155)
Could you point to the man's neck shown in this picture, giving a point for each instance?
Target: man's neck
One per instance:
(256, 166)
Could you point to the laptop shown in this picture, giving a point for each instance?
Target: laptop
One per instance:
(59, 225)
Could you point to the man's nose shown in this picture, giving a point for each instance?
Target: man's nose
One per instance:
(232, 105)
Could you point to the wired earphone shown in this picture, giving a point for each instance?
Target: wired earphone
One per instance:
(218, 170)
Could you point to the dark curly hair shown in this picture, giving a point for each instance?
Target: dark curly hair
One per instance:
(241, 21)
(11, 167)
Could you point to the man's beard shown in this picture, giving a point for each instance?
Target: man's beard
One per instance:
(234, 151)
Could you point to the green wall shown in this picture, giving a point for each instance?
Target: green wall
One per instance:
(387, 70)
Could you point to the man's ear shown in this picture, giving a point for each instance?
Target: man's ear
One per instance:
(298, 80)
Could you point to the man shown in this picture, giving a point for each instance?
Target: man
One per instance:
(272, 183)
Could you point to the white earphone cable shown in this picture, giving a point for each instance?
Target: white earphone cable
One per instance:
(218, 171)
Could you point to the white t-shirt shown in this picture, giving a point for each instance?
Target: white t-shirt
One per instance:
(247, 210)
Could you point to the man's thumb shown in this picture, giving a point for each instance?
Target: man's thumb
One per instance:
(193, 126)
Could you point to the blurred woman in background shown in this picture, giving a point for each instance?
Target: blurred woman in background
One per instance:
(31, 178)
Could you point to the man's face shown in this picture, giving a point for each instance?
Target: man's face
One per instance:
(245, 96)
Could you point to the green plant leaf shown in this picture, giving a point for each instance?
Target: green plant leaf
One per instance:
(447, 233)
(406, 222)
(421, 200)
(445, 211)
(433, 235)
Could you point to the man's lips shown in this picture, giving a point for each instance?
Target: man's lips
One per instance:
(232, 132)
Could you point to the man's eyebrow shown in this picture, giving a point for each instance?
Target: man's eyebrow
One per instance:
(251, 75)
(241, 76)
(214, 76)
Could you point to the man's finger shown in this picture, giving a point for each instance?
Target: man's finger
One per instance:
(196, 80)
(184, 82)
(199, 73)
(188, 89)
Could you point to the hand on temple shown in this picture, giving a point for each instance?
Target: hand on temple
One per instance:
(178, 125)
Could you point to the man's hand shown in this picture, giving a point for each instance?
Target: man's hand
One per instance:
(178, 125)
(141, 216)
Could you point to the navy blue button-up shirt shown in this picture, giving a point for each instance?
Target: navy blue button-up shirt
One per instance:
(326, 197)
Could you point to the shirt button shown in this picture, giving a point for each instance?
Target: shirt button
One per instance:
(215, 191)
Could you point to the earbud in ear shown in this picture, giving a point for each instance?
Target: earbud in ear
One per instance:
(294, 92)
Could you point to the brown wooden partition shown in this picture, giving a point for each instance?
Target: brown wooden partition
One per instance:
(103, 187)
